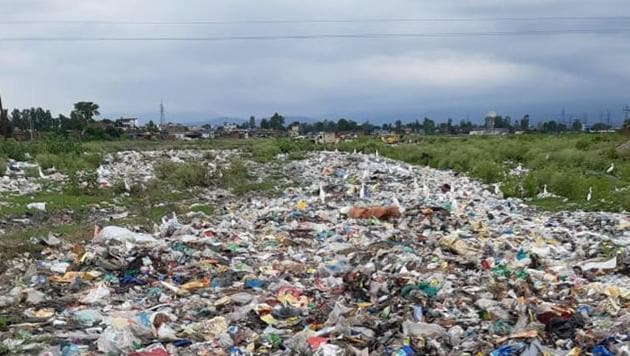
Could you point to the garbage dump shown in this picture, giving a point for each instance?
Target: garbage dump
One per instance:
(15, 180)
(138, 166)
(361, 256)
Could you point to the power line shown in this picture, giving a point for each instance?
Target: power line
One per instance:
(322, 36)
(315, 21)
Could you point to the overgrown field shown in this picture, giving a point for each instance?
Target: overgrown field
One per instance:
(568, 164)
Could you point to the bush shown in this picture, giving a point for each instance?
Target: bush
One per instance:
(193, 174)
(235, 174)
(188, 175)
(46, 160)
(265, 151)
(288, 146)
(165, 170)
(13, 150)
(583, 144)
(488, 172)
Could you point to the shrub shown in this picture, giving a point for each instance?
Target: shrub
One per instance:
(193, 174)
(265, 151)
(165, 169)
(46, 160)
(235, 174)
(188, 175)
(582, 144)
(13, 150)
(488, 172)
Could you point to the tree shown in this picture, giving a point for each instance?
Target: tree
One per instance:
(276, 122)
(367, 127)
(449, 127)
(4, 121)
(525, 123)
(264, 124)
(417, 126)
(429, 126)
(87, 109)
(398, 126)
(252, 122)
(600, 126)
(343, 125)
(152, 127)
(576, 126)
(17, 120)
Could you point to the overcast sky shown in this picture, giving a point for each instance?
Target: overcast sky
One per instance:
(375, 79)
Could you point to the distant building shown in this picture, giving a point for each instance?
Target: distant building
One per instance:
(326, 138)
(294, 131)
(128, 123)
(172, 131)
(229, 126)
(501, 131)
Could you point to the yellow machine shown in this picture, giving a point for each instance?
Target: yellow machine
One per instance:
(390, 138)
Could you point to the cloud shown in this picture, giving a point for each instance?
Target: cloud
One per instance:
(450, 76)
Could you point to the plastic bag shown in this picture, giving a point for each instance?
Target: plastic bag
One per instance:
(117, 340)
(98, 295)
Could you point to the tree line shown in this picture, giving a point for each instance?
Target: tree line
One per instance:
(428, 126)
(80, 121)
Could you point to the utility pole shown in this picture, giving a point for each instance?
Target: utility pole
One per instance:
(585, 118)
(161, 115)
(4, 120)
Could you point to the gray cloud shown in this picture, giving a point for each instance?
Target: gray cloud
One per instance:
(362, 78)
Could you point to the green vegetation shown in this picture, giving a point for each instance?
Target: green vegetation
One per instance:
(237, 178)
(16, 204)
(567, 164)
(185, 175)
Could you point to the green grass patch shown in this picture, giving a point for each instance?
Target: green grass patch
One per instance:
(187, 175)
(206, 209)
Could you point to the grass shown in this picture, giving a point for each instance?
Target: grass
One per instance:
(16, 204)
(69, 162)
(186, 175)
(237, 178)
(568, 164)
(206, 209)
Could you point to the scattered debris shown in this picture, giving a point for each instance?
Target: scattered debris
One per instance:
(378, 266)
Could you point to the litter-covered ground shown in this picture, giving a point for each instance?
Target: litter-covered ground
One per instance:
(358, 256)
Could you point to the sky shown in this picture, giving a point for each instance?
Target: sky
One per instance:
(377, 79)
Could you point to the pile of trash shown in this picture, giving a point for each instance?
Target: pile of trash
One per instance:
(361, 256)
(15, 179)
(138, 166)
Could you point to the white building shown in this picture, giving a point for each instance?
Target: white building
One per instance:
(229, 126)
(128, 122)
